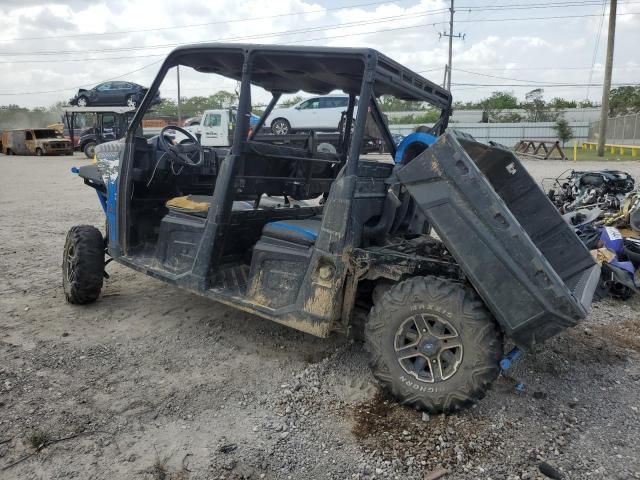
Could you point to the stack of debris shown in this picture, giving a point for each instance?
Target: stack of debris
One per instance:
(604, 209)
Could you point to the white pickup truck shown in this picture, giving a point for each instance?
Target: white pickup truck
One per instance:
(216, 127)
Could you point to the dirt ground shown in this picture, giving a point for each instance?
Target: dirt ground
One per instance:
(154, 383)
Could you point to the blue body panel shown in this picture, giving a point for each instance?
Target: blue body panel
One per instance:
(111, 211)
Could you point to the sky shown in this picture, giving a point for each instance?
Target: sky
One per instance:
(50, 49)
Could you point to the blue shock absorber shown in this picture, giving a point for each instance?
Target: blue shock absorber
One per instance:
(511, 357)
(508, 360)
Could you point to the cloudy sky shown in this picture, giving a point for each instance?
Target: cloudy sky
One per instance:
(49, 49)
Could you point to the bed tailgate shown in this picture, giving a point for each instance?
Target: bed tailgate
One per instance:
(527, 264)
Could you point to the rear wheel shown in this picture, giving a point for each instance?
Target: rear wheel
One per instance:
(131, 101)
(89, 149)
(280, 126)
(433, 344)
(83, 264)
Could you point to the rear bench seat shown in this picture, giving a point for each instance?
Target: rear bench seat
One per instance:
(302, 232)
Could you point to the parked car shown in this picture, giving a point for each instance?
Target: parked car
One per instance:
(316, 113)
(35, 141)
(112, 94)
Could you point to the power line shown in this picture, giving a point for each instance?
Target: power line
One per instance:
(509, 6)
(595, 47)
(514, 79)
(234, 38)
(451, 36)
(316, 39)
(192, 25)
(85, 84)
(309, 30)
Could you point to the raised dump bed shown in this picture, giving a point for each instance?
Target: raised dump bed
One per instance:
(526, 263)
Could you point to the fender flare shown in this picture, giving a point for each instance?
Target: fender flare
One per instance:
(411, 139)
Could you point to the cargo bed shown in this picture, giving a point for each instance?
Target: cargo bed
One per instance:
(527, 264)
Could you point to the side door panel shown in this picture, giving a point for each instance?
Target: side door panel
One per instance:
(214, 130)
(29, 146)
(307, 116)
(331, 109)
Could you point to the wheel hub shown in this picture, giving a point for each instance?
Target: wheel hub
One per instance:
(428, 348)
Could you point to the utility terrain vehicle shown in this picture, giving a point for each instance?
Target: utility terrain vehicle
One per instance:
(446, 250)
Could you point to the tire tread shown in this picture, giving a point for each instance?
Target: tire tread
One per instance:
(480, 328)
(89, 265)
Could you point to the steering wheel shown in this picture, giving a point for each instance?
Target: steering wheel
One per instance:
(187, 154)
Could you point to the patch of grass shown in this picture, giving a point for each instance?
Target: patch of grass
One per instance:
(592, 155)
(625, 334)
(159, 470)
(39, 439)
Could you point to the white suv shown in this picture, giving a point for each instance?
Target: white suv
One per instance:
(316, 113)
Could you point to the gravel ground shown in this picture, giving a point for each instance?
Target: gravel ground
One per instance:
(154, 383)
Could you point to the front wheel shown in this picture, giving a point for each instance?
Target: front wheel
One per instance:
(83, 102)
(280, 126)
(433, 344)
(38, 152)
(83, 264)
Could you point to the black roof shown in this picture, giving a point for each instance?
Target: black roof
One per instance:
(319, 70)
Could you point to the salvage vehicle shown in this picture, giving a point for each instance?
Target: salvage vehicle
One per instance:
(35, 141)
(321, 113)
(109, 123)
(127, 94)
(444, 250)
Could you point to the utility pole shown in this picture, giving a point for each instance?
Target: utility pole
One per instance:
(451, 37)
(604, 113)
(179, 100)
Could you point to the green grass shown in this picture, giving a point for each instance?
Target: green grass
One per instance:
(592, 155)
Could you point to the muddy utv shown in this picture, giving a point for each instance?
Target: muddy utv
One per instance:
(447, 249)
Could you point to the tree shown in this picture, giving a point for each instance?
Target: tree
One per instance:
(389, 103)
(195, 106)
(428, 116)
(493, 106)
(500, 101)
(536, 107)
(291, 101)
(558, 103)
(564, 131)
(586, 103)
(624, 100)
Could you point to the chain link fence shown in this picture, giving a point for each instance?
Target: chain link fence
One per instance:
(622, 130)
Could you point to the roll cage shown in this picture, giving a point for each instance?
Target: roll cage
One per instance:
(363, 73)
